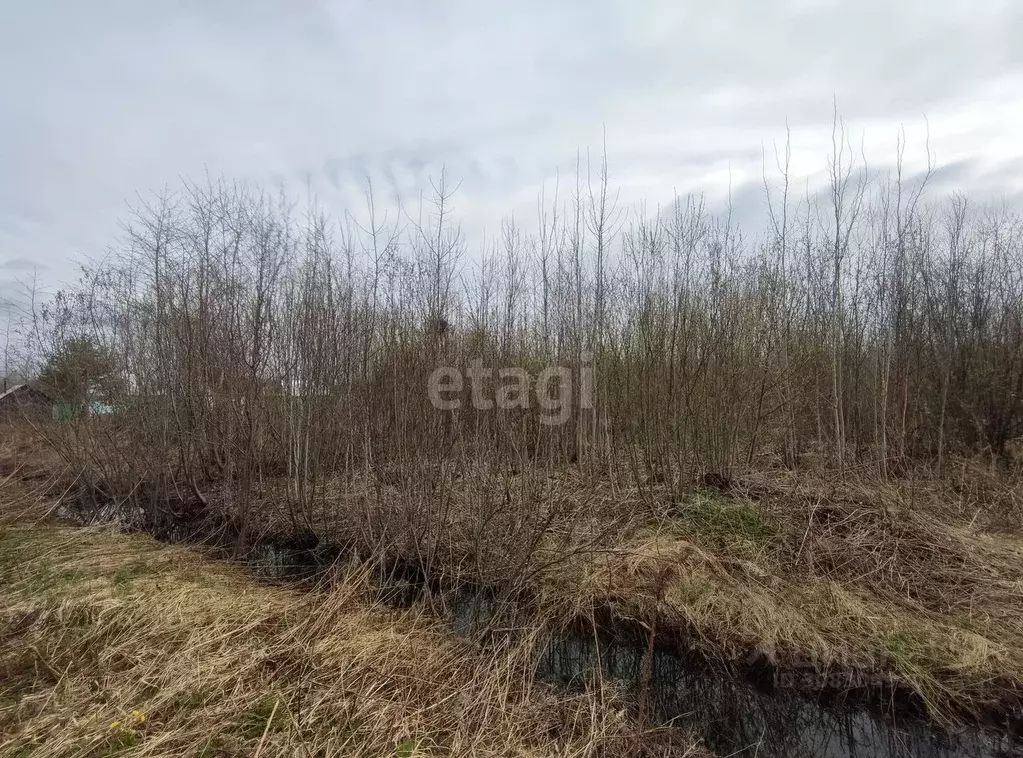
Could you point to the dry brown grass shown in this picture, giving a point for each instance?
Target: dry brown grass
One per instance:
(116, 644)
(912, 581)
(900, 583)
(28, 472)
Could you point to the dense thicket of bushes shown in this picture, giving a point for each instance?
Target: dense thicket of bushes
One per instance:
(871, 326)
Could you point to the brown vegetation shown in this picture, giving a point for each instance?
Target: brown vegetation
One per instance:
(118, 645)
(804, 442)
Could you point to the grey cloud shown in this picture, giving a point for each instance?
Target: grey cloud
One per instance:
(112, 96)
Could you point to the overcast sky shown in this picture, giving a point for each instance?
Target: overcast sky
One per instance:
(101, 99)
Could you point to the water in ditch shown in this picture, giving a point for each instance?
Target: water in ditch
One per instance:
(732, 716)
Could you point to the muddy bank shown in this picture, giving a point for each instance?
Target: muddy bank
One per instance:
(751, 707)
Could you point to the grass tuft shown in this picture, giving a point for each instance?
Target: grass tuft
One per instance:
(720, 522)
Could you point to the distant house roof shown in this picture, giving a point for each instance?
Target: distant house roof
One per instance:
(19, 389)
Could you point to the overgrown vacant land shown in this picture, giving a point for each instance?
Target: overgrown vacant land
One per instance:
(802, 446)
(119, 645)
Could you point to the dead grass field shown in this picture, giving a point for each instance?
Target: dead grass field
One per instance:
(115, 644)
